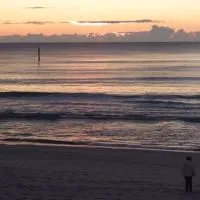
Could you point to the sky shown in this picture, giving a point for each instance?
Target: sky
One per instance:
(96, 16)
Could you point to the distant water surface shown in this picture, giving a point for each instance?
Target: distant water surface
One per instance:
(140, 95)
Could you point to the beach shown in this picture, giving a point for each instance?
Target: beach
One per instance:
(53, 172)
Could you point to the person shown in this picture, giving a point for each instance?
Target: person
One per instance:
(188, 172)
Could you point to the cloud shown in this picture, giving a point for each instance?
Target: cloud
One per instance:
(64, 22)
(155, 34)
(8, 22)
(38, 22)
(161, 33)
(120, 22)
(80, 23)
(37, 7)
(28, 22)
(105, 22)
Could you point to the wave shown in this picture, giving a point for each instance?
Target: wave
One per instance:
(11, 115)
(53, 116)
(98, 144)
(126, 80)
(45, 141)
(166, 104)
(147, 61)
(16, 94)
(168, 79)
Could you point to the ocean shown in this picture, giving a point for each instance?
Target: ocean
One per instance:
(118, 95)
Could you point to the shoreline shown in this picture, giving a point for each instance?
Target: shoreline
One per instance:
(96, 146)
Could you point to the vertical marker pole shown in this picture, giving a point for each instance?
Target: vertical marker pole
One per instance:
(38, 54)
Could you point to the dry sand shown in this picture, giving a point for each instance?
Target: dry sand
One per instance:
(41, 172)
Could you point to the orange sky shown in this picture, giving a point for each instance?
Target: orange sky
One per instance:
(22, 17)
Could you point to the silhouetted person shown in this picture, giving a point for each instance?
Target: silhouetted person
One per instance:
(188, 172)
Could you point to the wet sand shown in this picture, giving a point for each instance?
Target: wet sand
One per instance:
(60, 173)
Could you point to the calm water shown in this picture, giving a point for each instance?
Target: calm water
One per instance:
(144, 95)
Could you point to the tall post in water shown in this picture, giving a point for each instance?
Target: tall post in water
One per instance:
(39, 55)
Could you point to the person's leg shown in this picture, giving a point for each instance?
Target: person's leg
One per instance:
(190, 183)
(186, 184)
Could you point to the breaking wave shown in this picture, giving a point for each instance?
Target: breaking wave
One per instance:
(11, 115)
(97, 95)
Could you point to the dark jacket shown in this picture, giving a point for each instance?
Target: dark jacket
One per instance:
(188, 169)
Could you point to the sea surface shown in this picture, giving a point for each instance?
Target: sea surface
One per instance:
(127, 95)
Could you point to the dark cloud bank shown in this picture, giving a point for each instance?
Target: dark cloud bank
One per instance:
(156, 34)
